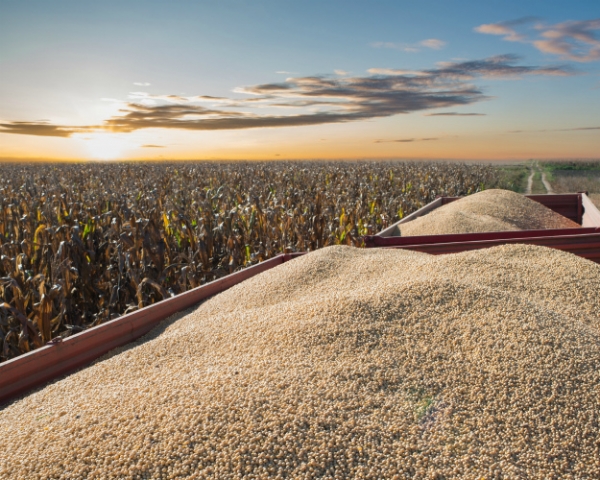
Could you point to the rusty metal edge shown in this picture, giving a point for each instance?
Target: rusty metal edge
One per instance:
(376, 241)
(586, 245)
(33, 369)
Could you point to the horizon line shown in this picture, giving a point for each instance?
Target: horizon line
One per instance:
(340, 159)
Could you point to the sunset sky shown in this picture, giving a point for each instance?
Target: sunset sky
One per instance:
(279, 79)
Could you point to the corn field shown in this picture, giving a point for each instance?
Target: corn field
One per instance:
(81, 244)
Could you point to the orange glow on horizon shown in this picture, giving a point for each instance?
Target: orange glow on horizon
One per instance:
(278, 144)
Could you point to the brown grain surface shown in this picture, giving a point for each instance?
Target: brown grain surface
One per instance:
(487, 211)
(344, 363)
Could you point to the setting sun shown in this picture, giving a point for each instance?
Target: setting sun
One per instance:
(104, 146)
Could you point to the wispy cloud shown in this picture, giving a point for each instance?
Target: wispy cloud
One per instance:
(506, 29)
(500, 66)
(313, 100)
(454, 114)
(572, 40)
(342, 73)
(407, 140)
(41, 128)
(153, 146)
(396, 71)
(576, 129)
(150, 99)
(432, 43)
(142, 84)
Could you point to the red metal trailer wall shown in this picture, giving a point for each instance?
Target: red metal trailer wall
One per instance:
(583, 241)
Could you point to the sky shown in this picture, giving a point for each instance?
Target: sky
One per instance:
(277, 79)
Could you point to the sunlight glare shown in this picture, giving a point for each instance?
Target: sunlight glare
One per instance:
(104, 146)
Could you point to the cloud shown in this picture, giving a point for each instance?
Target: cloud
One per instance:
(576, 129)
(432, 43)
(454, 114)
(406, 140)
(153, 146)
(499, 66)
(42, 129)
(142, 84)
(342, 73)
(499, 29)
(395, 71)
(208, 98)
(312, 100)
(572, 40)
(146, 98)
(506, 29)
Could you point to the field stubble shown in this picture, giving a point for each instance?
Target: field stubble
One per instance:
(81, 244)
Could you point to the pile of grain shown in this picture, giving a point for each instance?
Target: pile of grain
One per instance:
(487, 211)
(344, 363)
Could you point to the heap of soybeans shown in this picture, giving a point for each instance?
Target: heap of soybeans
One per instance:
(343, 363)
(488, 211)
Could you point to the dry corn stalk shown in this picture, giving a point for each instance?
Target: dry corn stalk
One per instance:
(84, 243)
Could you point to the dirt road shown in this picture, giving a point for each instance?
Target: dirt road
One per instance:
(547, 185)
(530, 182)
(536, 169)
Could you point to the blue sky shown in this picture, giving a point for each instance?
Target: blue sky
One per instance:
(71, 69)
